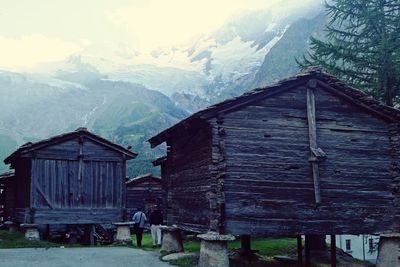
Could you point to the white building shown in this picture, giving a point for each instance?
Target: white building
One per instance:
(363, 247)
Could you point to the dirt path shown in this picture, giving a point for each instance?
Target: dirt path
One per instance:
(79, 257)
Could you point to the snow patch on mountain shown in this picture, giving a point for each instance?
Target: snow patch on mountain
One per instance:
(238, 58)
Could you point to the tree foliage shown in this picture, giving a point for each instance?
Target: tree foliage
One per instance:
(361, 46)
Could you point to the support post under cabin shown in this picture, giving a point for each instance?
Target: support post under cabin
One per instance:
(333, 250)
(299, 250)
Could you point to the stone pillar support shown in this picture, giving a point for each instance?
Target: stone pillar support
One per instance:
(171, 239)
(213, 250)
(389, 250)
(31, 231)
(123, 233)
(12, 227)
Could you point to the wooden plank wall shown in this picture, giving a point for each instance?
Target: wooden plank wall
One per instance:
(186, 175)
(2, 203)
(356, 177)
(395, 170)
(21, 215)
(69, 150)
(143, 195)
(77, 216)
(269, 186)
(60, 183)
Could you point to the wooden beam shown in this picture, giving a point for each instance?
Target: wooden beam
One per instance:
(316, 153)
(80, 170)
(299, 250)
(91, 235)
(245, 244)
(307, 251)
(44, 196)
(333, 250)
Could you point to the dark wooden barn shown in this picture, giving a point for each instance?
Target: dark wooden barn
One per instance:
(308, 155)
(73, 178)
(144, 192)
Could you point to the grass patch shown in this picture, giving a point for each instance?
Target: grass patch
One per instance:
(147, 243)
(268, 246)
(17, 240)
(265, 246)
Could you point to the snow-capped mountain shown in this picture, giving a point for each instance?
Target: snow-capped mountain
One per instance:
(127, 95)
(205, 67)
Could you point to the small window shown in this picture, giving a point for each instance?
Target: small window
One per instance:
(348, 244)
(371, 244)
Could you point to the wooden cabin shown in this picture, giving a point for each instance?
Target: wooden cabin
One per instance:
(308, 155)
(72, 178)
(144, 192)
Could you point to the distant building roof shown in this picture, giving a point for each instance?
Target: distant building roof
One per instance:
(7, 174)
(148, 177)
(66, 136)
(159, 161)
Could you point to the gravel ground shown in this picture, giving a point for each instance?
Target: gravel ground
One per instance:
(79, 257)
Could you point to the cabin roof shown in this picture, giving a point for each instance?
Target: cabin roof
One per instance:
(324, 80)
(28, 147)
(148, 177)
(159, 161)
(7, 174)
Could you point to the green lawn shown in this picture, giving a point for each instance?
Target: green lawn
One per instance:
(265, 246)
(17, 240)
(147, 243)
(268, 246)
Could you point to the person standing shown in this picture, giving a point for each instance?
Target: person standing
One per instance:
(139, 218)
(156, 221)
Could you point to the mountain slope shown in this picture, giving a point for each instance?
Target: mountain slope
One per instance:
(280, 62)
(123, 112)
(127, 96)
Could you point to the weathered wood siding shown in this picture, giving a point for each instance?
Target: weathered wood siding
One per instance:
(78, 216)
(394, 130)
(67, 179)
(186, 178)
(57, 186)
(143, 195)
(69, 150)
(269, 186)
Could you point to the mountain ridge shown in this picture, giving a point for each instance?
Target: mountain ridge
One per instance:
(128, 103)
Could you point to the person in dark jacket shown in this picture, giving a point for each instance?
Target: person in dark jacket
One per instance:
(156, 221)
(139, 218)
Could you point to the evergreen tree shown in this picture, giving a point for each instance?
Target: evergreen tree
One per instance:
(361, 46)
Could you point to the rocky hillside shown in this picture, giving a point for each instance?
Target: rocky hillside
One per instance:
(280, 62)
(33, 108)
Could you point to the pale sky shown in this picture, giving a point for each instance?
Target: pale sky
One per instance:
(35, 31)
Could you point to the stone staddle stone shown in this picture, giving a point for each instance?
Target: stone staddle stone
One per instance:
(171, 239)
(213, 250)
(123, 233)
(31, 233)
(11, 226)
(389, 250)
